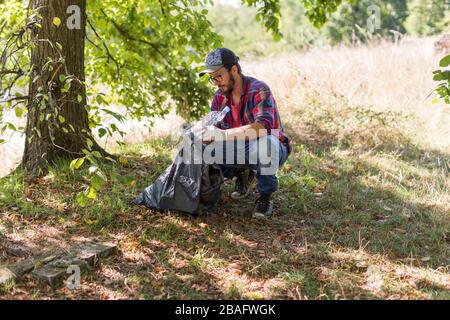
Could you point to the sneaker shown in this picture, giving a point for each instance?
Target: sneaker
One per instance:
(264, 206)
(243, 184)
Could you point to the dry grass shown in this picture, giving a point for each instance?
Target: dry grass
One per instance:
(385, 76)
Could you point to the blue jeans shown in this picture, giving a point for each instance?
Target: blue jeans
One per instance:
(251, 157)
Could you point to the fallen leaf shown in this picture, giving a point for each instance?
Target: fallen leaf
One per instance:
(123, 160)
(254, 295)
(88, 221)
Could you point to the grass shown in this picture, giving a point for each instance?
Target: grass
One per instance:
(362, 211)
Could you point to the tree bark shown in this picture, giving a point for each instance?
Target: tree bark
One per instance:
(57, 121)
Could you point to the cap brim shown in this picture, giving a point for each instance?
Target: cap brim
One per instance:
(210, 69)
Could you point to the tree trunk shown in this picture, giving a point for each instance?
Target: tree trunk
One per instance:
(57, 123)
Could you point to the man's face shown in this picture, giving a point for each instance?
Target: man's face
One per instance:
(223, 79)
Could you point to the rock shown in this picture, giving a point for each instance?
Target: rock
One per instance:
(6, 276)
(52, 275)
(67, 261)
(15, 271)
(17, 251)
(52, 267)
(92, 252)
(56, 271)
(22, 267)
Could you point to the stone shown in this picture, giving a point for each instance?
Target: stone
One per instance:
(17, 251)
(52, 275)
(55, 272)
(51, 267)
(22, 267)
(92, 252)
(67, 261)
(15, 271)
(6, 276)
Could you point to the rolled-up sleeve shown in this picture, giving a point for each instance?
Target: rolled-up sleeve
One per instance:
(264, 110)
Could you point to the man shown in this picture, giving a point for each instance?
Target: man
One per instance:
(253, 118)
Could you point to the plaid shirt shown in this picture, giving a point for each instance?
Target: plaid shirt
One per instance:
(257, 105)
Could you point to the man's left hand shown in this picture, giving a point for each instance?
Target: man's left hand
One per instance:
(212, 133)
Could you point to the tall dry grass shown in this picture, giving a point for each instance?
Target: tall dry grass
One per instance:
(384, 76)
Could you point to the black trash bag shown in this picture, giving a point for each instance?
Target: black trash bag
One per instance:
(191, 188)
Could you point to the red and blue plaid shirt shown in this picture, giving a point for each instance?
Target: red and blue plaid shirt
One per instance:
(257, 105)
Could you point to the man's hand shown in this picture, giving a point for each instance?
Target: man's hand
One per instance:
(212, 133)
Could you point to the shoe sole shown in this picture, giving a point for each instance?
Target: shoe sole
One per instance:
(261, 216)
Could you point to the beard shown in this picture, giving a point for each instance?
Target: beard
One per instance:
(228, 88)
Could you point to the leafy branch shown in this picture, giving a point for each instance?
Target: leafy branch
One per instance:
(443, 77)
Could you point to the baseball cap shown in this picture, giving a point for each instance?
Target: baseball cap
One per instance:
(217, 59)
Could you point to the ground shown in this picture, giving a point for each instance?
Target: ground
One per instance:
(362, 211)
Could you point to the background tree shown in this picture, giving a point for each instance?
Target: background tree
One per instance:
(428, 17)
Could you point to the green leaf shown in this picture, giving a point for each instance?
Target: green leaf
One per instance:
(100, 100)
(76, 163)
(442, 76)
(445, 62)
(89, 143)
(79, 98)
(61, 119)
(97, 182)
(92, 193)
(19, 112)
(2, 140)
(125, 179)
(101, 175)
(66, 87)
(437, 76)
(101, 132)
(57, 21)
(110, 159)
(82, 199)
(97, 154)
